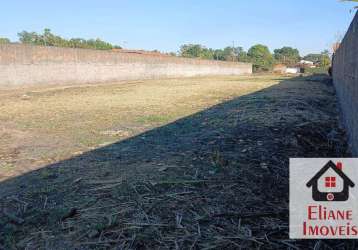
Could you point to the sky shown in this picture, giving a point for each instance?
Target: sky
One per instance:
(309, 25)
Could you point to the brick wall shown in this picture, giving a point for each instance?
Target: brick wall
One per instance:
(25, 64)
(345, 74)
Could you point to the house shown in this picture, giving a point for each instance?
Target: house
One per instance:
(293, 70)
(283, 69)
(305, 62)
(308, 64)
(330, 183)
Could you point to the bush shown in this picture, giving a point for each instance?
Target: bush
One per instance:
(319, 70)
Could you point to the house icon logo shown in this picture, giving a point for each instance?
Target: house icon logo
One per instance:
(323, 198)
(330, 183)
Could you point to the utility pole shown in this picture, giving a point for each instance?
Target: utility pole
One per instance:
(233, 51)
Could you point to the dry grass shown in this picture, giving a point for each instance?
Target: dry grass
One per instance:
(41, 125)
(215, 179)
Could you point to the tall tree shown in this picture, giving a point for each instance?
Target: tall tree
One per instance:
(313, 57)
(4, 40)
(287, 55)
(28, 37)
(233, 53)
(191, 50)
(47, 38)
(226, 54)
(261, 57)
(323, 59)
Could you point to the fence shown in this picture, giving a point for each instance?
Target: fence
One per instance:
(25, 64)
(345, 74)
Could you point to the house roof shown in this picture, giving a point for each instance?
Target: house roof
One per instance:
(330, 164)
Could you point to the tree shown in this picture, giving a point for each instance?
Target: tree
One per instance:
(325, 62)
(287, 55)
(313, 58)
(191, 50)
(28, 37)
(4, 40)
(226, 54)
(242, 56)
(323, 59)
(261, 57)
(49, 39)
(196, 51)
(233, 54)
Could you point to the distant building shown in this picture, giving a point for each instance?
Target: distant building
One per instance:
(308, 64)
(293, 70)
(283, 69)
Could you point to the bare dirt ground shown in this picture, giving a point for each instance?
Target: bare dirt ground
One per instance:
(188, 164)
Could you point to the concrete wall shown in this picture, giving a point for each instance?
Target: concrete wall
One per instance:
(345, 74)
(24, 64)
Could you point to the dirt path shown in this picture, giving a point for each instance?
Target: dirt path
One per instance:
(217, 178)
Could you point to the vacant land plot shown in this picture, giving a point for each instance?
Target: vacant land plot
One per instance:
(43, 125)
(171, 164)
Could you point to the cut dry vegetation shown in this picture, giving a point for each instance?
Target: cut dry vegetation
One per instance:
(196, 163)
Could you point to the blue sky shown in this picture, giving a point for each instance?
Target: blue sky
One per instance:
(309, 25)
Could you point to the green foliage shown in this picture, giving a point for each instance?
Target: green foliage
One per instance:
(287, 55)
(323, 59)
(319, 70)
(261, 57)
(49, 39)
(226, 54)
(313, 58)
(192, 50)
(234, 54)
(4, 40)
